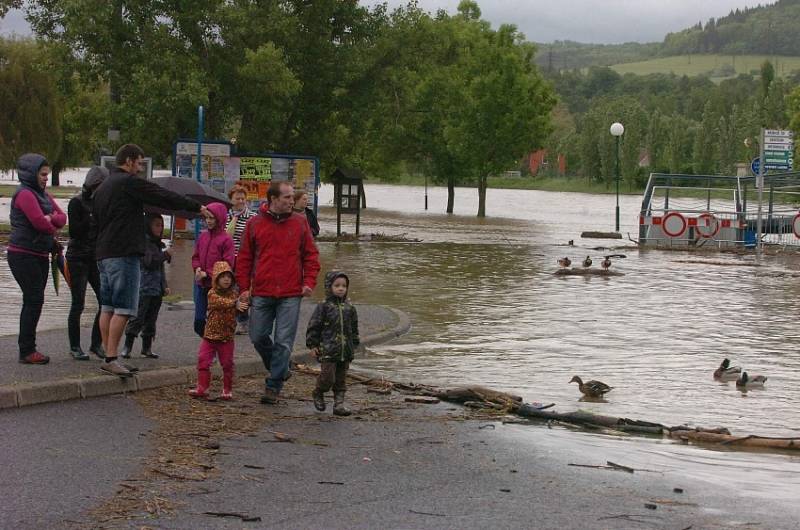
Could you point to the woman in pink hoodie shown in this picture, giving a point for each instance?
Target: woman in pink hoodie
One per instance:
(213, 245)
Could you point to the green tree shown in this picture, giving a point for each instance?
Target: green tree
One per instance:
(29, 103)
(706, 141)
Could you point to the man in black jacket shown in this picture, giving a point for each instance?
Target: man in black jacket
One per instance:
(119, 211)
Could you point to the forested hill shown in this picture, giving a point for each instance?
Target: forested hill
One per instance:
(769, 30)
(764, 30)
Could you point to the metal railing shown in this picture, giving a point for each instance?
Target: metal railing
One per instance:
(701, 201)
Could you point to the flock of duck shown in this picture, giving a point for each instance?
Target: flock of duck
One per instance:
(725, 372)
(587, 263)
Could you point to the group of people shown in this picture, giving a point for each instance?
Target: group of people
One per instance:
(251, 271)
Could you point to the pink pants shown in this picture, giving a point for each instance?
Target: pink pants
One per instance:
(224, 350)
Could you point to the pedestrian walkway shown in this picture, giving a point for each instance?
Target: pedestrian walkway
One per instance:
(65, 378)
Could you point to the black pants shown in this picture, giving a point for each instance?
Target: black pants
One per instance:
(146, 317)
(83, 272)
(31, 274)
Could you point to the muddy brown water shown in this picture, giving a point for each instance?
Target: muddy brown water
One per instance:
(487, 309)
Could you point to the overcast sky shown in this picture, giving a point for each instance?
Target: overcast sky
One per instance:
(596, 21)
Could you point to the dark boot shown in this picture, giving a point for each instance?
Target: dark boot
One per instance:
(319, 400)
(78, 354)
(203, 382)
(338, 405)
(147, 348)
(270, 397)
(125, 352)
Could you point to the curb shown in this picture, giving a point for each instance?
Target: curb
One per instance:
(25, 394)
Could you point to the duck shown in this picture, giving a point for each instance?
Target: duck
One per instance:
(565, 262)
(591, 388)
(726, 372)
(570, 242)
(745, 381)
(606, 263)
(587, 262)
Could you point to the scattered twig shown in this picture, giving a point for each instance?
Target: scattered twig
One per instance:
(176, 476)
(243, 517)
(620, 467)
(330, 482)
(251, 466)
(428, 513)
(631, 517)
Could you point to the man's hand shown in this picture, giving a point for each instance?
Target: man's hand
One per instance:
(167, 291)
(242, 305)
(307, 290)
(314, 353)
(199, 274)
(245, 296)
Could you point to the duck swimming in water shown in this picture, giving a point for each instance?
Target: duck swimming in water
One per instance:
(592, 388)
(726, 372)
(587, 262)
(745, 381)
(565, 262)
(606, 263)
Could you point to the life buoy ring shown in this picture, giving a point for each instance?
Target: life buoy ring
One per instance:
(796, 225)
(707, 225)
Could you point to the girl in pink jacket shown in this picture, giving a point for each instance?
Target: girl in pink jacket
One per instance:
(213, 245)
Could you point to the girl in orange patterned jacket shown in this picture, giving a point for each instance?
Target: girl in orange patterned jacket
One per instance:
(220, 327)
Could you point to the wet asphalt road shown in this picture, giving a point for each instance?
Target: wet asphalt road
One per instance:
(412, 469)
(59, 460)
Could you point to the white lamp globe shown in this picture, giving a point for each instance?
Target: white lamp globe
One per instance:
(616, 129)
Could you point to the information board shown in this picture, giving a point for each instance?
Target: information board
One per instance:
(222, 170)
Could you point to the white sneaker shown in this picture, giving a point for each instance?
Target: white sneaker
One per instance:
(116, 368)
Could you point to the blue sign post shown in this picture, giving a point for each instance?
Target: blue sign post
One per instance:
(754, 165)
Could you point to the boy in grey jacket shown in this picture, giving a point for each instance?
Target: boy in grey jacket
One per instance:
(332, 337)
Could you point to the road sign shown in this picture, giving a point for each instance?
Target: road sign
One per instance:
(778, 133)
(778, 150)
(754, 165)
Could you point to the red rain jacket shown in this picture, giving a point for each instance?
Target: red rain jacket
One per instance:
(277, 256)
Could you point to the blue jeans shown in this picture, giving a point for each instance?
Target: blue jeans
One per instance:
(276, 317)
(119, 285)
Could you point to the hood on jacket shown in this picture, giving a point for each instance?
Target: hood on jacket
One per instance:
(279, 217)
(95, 177)
(148, 223)
(330, 278)
(28, 166)
(220, 212)
(221, 267)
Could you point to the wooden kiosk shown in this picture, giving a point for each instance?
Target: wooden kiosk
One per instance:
(348, 189)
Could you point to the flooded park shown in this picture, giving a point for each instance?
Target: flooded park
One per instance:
(487, 309)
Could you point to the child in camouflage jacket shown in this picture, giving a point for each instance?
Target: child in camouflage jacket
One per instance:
(332, 337)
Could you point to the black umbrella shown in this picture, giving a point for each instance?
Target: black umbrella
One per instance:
(190, 188)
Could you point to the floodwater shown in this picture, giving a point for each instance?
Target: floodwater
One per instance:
(487, 309)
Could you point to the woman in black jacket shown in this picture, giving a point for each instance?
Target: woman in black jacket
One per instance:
(82, 264)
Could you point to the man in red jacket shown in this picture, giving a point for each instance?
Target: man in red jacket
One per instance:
(277, 265)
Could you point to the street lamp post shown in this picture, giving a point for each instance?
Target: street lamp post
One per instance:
(616, 131)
